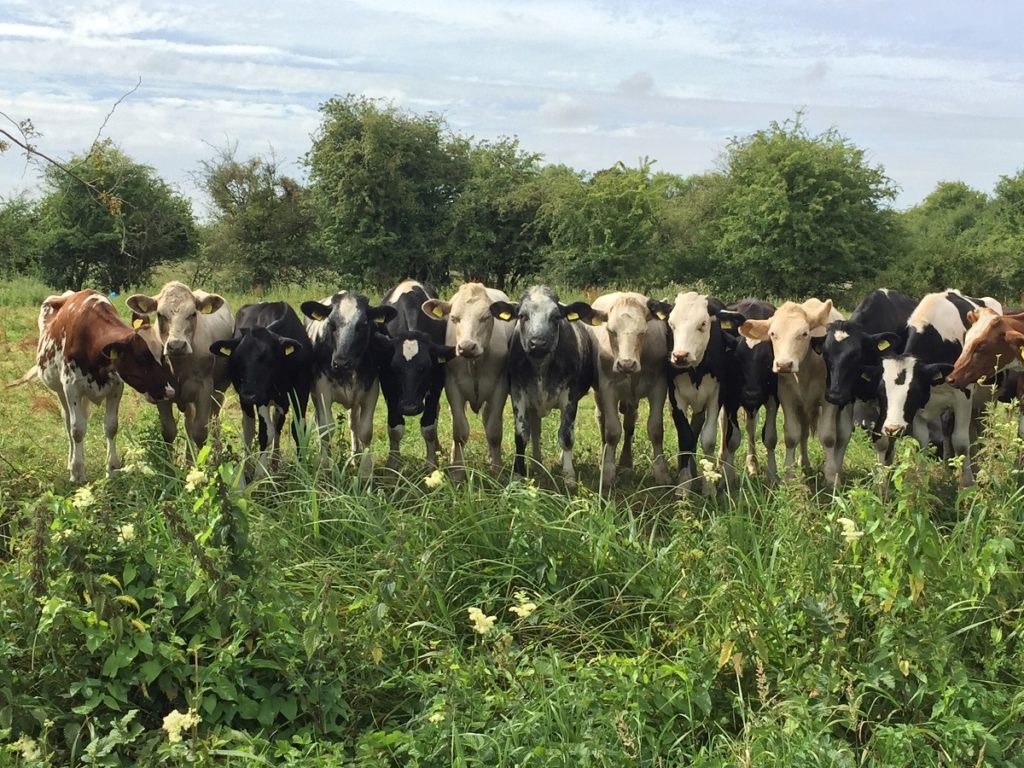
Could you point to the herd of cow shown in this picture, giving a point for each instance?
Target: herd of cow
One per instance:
(923, 368)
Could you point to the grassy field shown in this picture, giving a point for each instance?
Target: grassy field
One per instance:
(309, 621)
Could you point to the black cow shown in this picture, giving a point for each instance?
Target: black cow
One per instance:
(412, 367)
(913, 388)
(853, 350)
(755, 385)
(552, 364)
(269, 360)
(347, 339)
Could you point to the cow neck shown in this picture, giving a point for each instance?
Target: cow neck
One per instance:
(84, 347)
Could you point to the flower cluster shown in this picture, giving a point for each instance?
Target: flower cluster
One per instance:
(525, 606)
(482, 624)
(850, 532)
(29, 748)
(83, 498)
(195, 479)
(434, 479)
(176, 722)
(126, 533)
(711, 474)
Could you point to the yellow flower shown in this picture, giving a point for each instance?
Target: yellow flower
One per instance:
(525, 607)
(436, 717)
(707, 468)
(434, 479)
(481, 624)
(850, 532)
(194, 479)
(126, 533)
(29, 749)
(83, 498)
(176, 722)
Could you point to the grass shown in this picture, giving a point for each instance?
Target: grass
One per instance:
(311, 621)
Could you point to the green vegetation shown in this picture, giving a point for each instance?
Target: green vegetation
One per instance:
(311, 622)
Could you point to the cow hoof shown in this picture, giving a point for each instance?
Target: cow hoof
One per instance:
(392, 463)
(570, 484)
(458, 475)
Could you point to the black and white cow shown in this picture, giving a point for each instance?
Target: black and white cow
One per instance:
(853, 350)
(913, 388)
(753, 385)
(699, 364)
(551, 364)
(346, 332)
(269, 360)
(412, 367)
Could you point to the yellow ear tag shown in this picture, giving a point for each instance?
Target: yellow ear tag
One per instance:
(138, 322)
(660, 315)
(289, 348)
(441, 360)
(317, 316)
(572, 316)
(883, 345)
(226, 351)
(505, 315)
(938, 378)
(1022, 353)
(207, 309)
(596, 321)
(726, 324)
(379, 320)
(113, 354)
(438, 313)
(865, 377)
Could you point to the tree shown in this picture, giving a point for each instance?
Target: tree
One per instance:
(803, 215)
(383, 183)
(493, 237)
(264, 226)
(19, 240)
(112, 231)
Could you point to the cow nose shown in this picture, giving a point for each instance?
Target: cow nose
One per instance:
(680, 358)
(836, 397)
(892, 430)
(783, 366)
(341, 363)
(537, 344)
(627, 365)
(411, 409)
(178, 347)
(468, 349)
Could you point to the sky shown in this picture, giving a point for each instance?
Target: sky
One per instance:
(932, 90)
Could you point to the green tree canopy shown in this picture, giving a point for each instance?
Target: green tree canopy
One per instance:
(803, 215)
(19, 236)
(112, 231)
(383, 183)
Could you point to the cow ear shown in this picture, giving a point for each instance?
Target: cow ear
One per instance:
(596, 317)
(224, 348)
(381, 314)
(141, 304)
(314, 310)
(436, 308)
(287, 346)
(113, 350)
(936, 373)
(817, 343)
(659, 309)
(972, 317)
(504, 310)
(578, 310)
(886, 343)
(442, 353)
(755, 329)
(209, 303)
(1016, 338)
(729, 320)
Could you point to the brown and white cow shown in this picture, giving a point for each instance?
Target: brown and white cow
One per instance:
(993, 343)
(802, 381)
(477, 376)
(631, 366)
(86, 354)
(187, 323)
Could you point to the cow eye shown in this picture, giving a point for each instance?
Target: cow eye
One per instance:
(703, 326)
(454, 319)
(805, 334)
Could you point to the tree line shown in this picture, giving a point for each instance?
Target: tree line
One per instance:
(391, 194)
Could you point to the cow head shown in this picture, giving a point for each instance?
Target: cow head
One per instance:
(253, 357)
(852, 358)
(177, 310)
(539, 318)
(134, 362)
(690, 320)
(469, 314)
(991, 344)
(349, 324)
(790, 331)
(905, 388)
(412, 360)
(625, 322)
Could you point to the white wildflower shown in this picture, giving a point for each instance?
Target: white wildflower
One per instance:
(436, 717)
(83, 498)
(525, 606)
(710, 472)
(850, 532)
(481, 624)
(195, 479)
(29, 748)
(126, 533)
(176, 722)
(434, 479)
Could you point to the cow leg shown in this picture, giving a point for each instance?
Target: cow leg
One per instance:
(629, 412)
(428, 425)
(611, 433)
(656, 433)
(248, 427)
(827, 435)
(65, 411)
(279, 415)
(110, 428)
(538, 459)
(687, 446)
(751, 426)
(522, 423)
(362, 430)
(770, 438)
(566, 439)
(168, 424)
(792, 432)
(396, 430)
(730, 428)
(708, 439)
(492, 416)
(78, 413)
(202, 410)
(324, 417)
(460, 433)
(961, 439)
(266, 437)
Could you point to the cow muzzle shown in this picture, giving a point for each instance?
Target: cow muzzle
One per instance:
(785, 366)
(681, 359)
(626, 365)
(177, 347)
(836, 397)
(469, 349)
(893, 430)
(538, 347)
(411, 409)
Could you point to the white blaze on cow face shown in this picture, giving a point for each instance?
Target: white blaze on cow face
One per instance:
(470, 315)
(691, 329)
(897, 376)
(410, 348)
(790, 331)
(840, 336)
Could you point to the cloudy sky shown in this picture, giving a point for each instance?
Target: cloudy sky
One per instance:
(933, 90)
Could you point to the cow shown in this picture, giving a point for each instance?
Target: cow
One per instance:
(632, 345)
(187, 323)
(913, 387)
(86, 354)
(802, 382)
(412, 368)
(853, 349)
(477, 376)
(551, 364)
(346, 332)
(754, 385)
(700, 363)
(269, 360)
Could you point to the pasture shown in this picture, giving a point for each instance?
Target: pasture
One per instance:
(313, 620)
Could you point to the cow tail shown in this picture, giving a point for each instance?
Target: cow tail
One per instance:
(29, 375)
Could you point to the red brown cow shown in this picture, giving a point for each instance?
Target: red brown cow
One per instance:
(87, 354)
